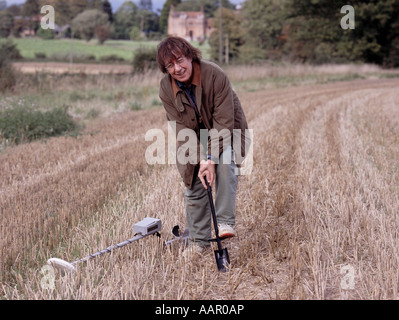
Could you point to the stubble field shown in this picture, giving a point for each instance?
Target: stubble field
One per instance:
(317, 218)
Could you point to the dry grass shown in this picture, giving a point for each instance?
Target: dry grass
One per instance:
(323, 195)
(62, 68)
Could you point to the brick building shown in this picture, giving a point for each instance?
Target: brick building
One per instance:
(190, 25)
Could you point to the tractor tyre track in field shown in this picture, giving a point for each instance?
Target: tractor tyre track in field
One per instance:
(65, 179)
(306, 116)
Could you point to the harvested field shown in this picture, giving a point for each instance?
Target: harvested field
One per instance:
(317, 218)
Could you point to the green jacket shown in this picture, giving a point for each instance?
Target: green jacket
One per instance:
(219, 108)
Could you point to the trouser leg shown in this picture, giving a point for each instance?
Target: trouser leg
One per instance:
(226, 188)
(198, 211)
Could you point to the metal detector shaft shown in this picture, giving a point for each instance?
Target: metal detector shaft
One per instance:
(215, 223)
(221, 255)
(142, 229)
(179, 238)
(183, 240)
(109, 249)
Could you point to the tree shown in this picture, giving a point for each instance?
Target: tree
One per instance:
(3, 5)
(263, 22)
(31, 9)
(19, 26)
(232, 34)
(63, 12)
(102, 33)
(102, 5)
(95, 4)
(376, 29)
(125, 19)
(107, 8)
(86, 22)
(67, 10)
(15, 9)
(145, 5)
(149, 22)
(135, 34)
(316, 35)
(163, 19)
(8, 52)
(76, 7)
(210, 6)
(6, 23)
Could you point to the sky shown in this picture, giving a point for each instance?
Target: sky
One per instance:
(156, 4)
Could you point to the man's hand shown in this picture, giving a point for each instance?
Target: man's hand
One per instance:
(206, 169)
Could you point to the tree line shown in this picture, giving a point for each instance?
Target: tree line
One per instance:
(306, 31)
(85, 19)
(310, 31)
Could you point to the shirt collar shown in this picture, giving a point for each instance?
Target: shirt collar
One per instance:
(196, 78)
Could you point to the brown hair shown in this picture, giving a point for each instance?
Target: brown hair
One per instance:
(173, 47)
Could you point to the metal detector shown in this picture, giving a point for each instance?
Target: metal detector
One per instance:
(141, 229)
(221, 255)
(180, 239)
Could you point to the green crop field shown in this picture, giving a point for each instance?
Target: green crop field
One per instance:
(59, 49)
(53, 48)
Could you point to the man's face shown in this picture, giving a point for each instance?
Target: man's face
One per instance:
(180, 69)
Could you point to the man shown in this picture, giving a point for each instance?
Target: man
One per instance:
(200, 103)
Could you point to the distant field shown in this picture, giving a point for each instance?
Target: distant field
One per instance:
(122, 49)
(57, 49)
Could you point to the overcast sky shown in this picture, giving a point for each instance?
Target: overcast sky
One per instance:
(156, 4)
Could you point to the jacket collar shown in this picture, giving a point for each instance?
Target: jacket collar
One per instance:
(196, 79)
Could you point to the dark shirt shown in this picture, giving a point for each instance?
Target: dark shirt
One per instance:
(189, 90)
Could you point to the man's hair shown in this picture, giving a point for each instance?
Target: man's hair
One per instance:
(172, 48)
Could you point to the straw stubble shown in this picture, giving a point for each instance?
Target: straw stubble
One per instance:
(322, 198)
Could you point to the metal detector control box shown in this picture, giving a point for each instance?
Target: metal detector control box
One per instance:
(147, 226)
